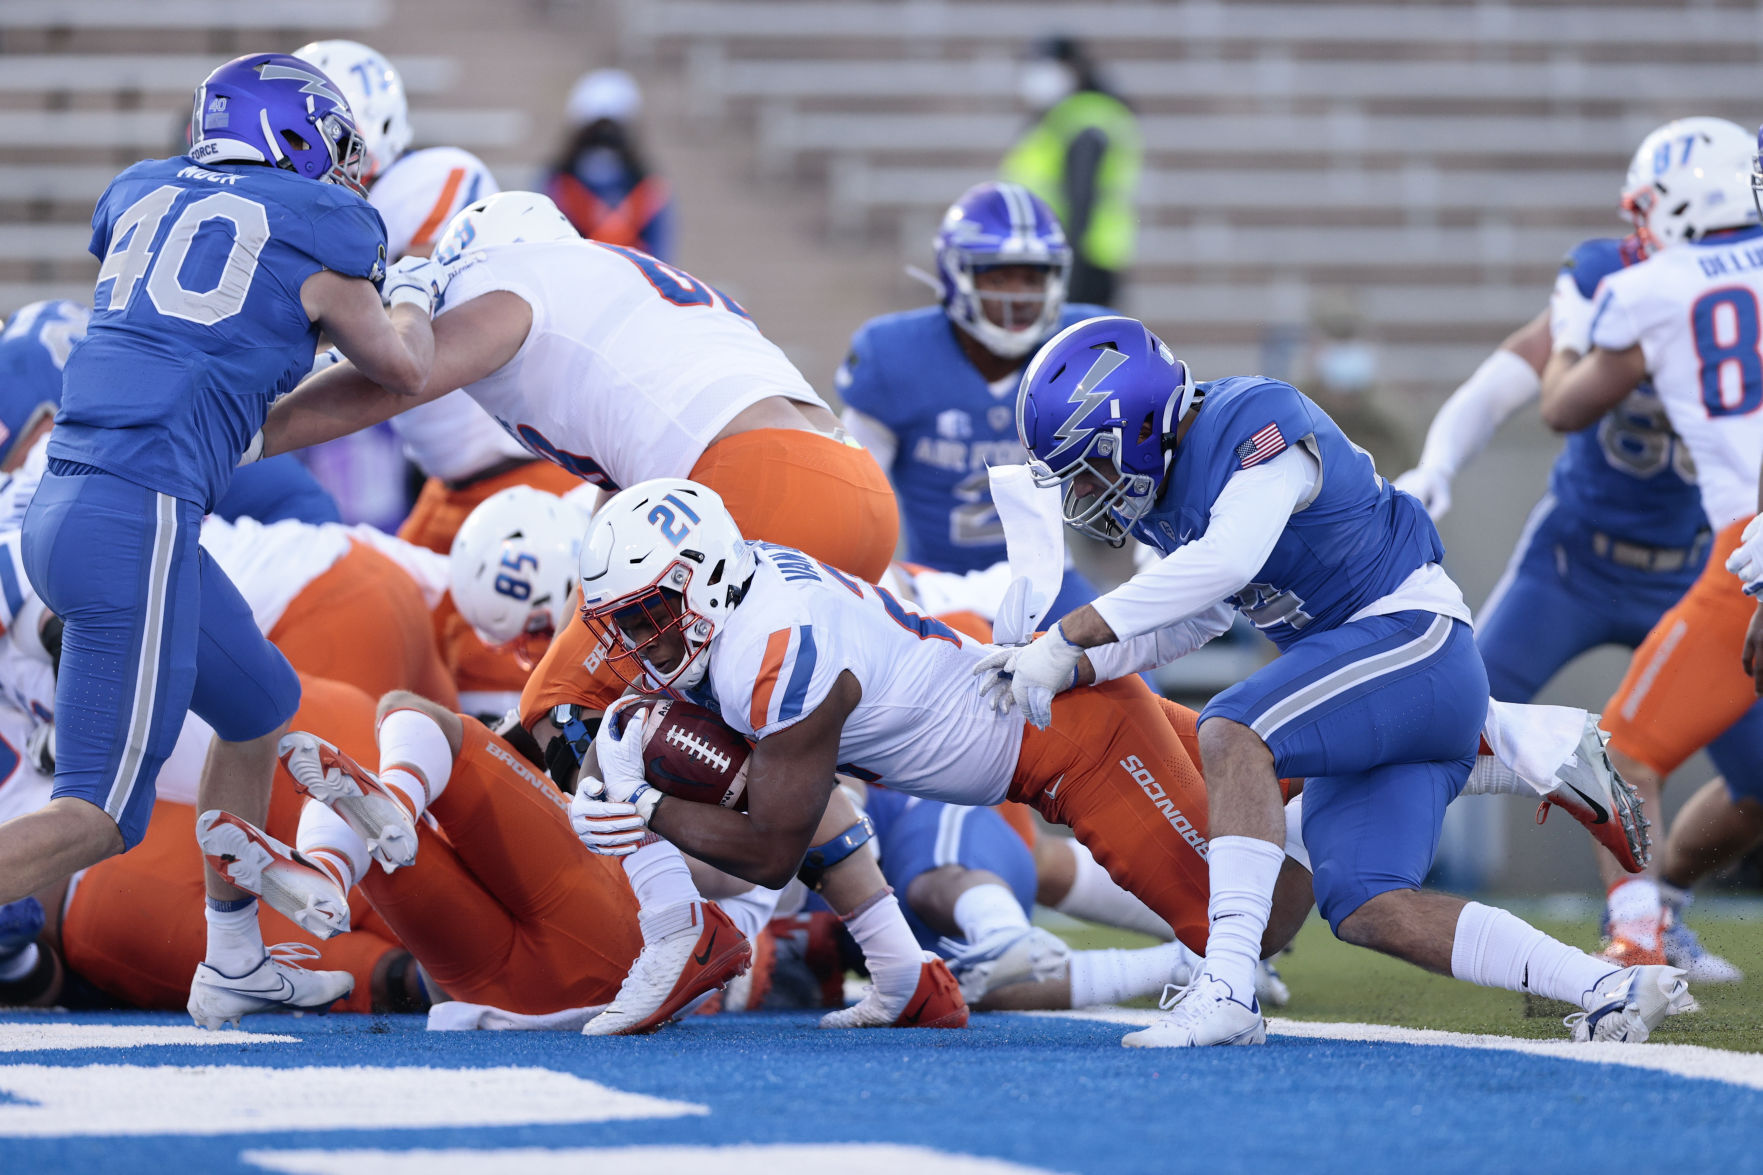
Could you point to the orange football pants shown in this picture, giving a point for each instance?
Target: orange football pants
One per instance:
(135, 926)
(510, 909)
(1686, 683)
(364, 621)
(789, 486)
(440, 511)
(1113, 768)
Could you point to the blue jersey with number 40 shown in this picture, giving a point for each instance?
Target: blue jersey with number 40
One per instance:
(1628, 476)
(197, 324)
(1353, 543)
(908, 371)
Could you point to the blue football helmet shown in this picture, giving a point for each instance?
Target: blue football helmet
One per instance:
(33, 350)
(1002, 224)
(1097, 412)
(277, 109)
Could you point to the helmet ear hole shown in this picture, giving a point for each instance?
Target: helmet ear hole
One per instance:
(294, 141)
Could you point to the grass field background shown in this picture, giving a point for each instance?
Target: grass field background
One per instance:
(1333, 981)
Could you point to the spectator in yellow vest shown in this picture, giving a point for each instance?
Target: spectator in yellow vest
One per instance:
(1082, 156)
(601, 180)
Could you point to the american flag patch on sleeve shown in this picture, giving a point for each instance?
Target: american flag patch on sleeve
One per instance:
(1258, 448)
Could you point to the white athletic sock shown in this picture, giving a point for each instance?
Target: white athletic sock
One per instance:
(325, 840)
(751, 911)
(1494, 948)
(988, 907)
(1636, 900)
(1242, 870)
(1490, 777)
(415, 760)
(1095, 897)
(1107, 977)
(235, 942)
(659, 877)
(889, 950)
(19, 964)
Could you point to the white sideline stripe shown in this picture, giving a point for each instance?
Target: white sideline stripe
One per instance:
(30, 1038)
(743, 1159)
(1680, 1060)
(57, 1101)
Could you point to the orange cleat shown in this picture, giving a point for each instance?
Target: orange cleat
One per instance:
(934, 1003)
(1630, 945)
(746, 992)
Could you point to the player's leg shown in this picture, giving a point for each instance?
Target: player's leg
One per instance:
(805, 490)
(1683, 689)
(441, 509)
(1372, 835)
(246, 690)
(364, 621)
(115, 562)
(1722, 821)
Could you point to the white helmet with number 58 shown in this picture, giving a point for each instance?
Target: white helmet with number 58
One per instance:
(513, 568)
(662, 563)
(1689, 178)
(507, 218)
(375, 93)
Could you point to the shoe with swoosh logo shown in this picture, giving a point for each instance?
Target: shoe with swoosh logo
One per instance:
(354, 793)
(288, 882)
(935, 1002)
(278, 983)
(690, 951)
(1589, 789)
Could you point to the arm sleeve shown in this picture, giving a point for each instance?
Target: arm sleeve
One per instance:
(1083, 159)
(1502, 385)
(1613, 324)
(873, 435)
(1246, 521)
(1161, 646)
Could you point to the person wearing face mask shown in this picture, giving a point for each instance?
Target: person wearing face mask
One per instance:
(1082, 156)
(931, 392)
(602, 180)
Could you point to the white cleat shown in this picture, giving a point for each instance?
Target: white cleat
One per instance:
(258, 863)
(354, 793)
(1628, 1005)
(1006, 956)
(1589, 789)
(933, 1000)
(277, 984)
(1205, 1012)
(690, 951)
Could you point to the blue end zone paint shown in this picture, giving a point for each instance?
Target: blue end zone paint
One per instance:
(1060, 1095)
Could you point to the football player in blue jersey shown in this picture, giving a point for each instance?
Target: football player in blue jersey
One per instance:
(219, 269)
(931, 392)
(1258, 501)
(1617, 539)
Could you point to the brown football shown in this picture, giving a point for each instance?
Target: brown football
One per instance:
(690, 753)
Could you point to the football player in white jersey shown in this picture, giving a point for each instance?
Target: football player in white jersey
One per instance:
(1688, 319)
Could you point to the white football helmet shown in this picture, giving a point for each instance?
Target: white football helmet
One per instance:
(507, 218)
(513, 569)
(375, 93)
(1689, 178)
(661, 557)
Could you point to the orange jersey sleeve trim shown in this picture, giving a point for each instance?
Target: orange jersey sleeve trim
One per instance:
(769, 668)
(438, 215)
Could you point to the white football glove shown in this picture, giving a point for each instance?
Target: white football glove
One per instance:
(1035, 672)
(1570, 318)
(1430, 486)
(1747, 561)
(620, 752)
(414, 281)
(609, 828)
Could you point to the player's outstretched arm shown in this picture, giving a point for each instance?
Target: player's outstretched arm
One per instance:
(392, 347)
(468, 343)
(789, 779)
(1578, 389)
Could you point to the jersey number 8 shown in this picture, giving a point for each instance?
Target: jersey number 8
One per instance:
(128, 261)
(1728, 333)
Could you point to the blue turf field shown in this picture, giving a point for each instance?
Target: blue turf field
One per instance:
(1048, 1094)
